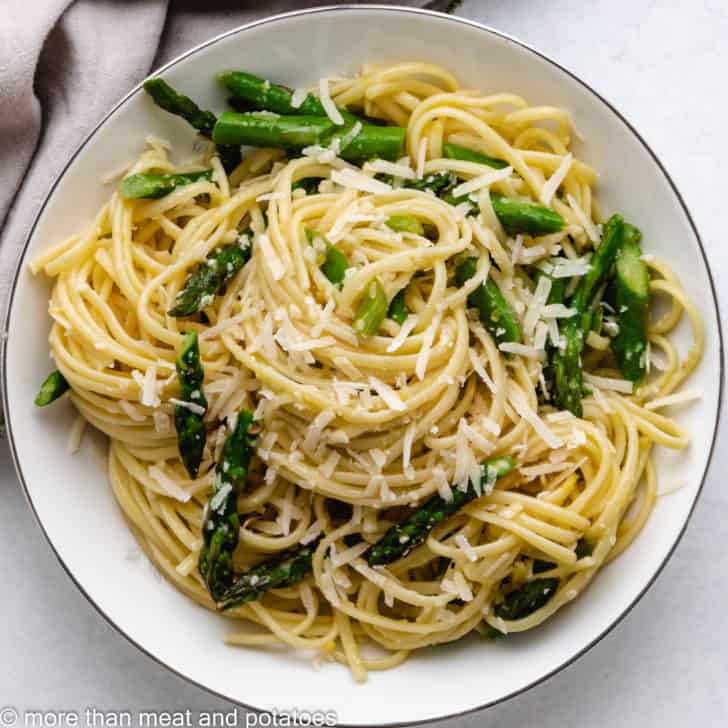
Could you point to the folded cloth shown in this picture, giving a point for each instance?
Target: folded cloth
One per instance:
(63, 64)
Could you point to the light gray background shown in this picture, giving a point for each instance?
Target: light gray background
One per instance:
(663, 64)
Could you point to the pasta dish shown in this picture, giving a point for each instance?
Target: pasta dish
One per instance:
(375, 370)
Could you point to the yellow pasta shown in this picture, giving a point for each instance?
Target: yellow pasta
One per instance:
(355, 431)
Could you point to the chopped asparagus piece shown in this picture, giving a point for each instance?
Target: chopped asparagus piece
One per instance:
(153, 186)
(296, 132)
(178, 104)
(209, 279)
(398, 308)
(401, 538)
(335, 265)
(455, 151)
(189, 417)
(525, 217)
(632, 284)
(372, 309)
(263, 95)
(309, 184)
(495, 312)
(567, 363)
(405, 224)
(52, 388)
(221, 525)
(526, 599)
(583, 548)
(284, 570)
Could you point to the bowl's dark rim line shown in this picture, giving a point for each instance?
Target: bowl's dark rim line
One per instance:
(398, 9)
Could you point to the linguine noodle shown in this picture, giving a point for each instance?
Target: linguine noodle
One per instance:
(357, 430)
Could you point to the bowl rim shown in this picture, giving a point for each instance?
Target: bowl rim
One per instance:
(348, 7)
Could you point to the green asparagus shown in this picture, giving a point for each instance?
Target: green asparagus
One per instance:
(566, 364)
(568, 376)
(440, 183)
(203, 121)
(525, 217)
(455, 151)
(600, 265)
(405, 224)
(335, 265)
(372, 309)
(178, 104)
(189, 414)
(263, 95)
(526, 599)
(284, 570)
(398, 310)
(308, 184)
(515, 216)
(296, 132)
(401, 538)
(152, 186)
(632, 300)
(54, 386)
(491, 633)
(209, 278)
(221, 526)
(495, 312)
(584, 548)
(539, 566)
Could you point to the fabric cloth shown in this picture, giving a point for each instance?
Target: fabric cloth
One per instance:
(63, 64)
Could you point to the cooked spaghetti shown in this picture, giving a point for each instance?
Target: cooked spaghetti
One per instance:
(358, 429)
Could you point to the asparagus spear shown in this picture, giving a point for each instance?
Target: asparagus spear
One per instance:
(526, 599)
(632, 298)
(297, 132)
(495, 312)
(584, 548)
(515, 216)
(335, 265)
(401, 538)
(189, 419)
(266, 96)
(209, 278)
(567, 363)
(372, 310)
(309, 184)
(398, 308)
(491, 633)
(455, 151)
(221, 526)
(52, 388)
(152, 186)
(284, 570)
(525, 217)
(440, 183)
(405, 224)
(178, 104)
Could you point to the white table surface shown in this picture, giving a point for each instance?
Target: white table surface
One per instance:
(662, 63)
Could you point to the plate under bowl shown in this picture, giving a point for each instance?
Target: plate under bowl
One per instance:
(71, 496)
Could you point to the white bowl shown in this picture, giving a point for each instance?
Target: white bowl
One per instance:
(71, 496)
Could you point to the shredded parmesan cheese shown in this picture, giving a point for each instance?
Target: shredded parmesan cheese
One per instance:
(167, 484)
(554, 181)
(329, 106)
(388, 395)
(484, 180)
(356, 180)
